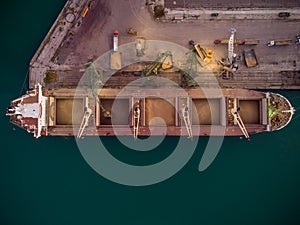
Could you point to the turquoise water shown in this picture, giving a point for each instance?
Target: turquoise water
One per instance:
(47, 181)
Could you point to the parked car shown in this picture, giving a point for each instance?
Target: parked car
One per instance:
(284, 14)
(297, 39)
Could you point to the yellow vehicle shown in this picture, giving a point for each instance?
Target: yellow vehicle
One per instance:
(132, 31)
(85, 11)
(204, 56)
(250, 58)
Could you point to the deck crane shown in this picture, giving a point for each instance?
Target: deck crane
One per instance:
(187, 121)
(95, 82)
(239, 121)
(136, 119)
(95, 77)
(85, 119)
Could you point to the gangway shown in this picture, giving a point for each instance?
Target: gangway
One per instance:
(187, 122)
(239, 121)
(85, 119)
(136, 119)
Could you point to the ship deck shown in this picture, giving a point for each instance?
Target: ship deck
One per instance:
(160, 111)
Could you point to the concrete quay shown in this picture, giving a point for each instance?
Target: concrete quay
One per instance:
(67, 22)
(74, 40)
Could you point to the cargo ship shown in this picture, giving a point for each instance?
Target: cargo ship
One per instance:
(149, 111)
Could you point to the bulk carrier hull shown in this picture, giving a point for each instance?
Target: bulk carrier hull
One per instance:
(149, 111)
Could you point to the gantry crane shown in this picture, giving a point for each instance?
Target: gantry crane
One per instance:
(95, 78)
(95, 82)
(189, 71)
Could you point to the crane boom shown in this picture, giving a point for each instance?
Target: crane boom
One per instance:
(239, 121)
(187, 122)
(136, 119)
(85, 119)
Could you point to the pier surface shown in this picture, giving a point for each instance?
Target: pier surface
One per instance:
(74, 40)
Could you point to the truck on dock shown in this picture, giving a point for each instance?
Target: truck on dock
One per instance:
(297, 39)
(225, 41)
(250, 58)
(250, 42)
(116, 40)
(115, 57)
(237, 42)
(205, 56)
(279, 42)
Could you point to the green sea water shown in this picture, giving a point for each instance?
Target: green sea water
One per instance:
(47, 181)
